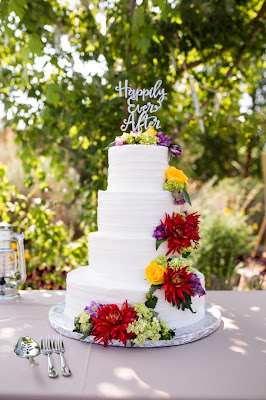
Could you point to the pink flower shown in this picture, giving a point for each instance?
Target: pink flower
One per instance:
(119, 141)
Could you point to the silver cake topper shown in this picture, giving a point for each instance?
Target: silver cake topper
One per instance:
(140, 116)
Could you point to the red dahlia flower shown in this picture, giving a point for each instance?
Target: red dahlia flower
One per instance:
(176, 283)
(181, 229)
(111, 323)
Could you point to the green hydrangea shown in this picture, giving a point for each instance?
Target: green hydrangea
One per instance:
(83, 324)
(148, 139)
(148, 326)
(192, 269)
(143, 311)
(161, 260)
(84, 319)
(171, 186)
(186, 250)
(179, 262)
(164, 327)
(129, 138)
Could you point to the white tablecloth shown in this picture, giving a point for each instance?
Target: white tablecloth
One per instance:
(229, 364)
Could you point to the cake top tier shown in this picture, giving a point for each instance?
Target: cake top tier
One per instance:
(138, 161)
(135, 168)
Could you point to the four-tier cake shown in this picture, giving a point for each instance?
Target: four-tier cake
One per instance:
(139, 257)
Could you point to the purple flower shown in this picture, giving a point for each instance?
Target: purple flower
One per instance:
(93, 308)
(119, 141)
(179, 198)
(175, 150)
(196, 285)
(164, 140)
(180, 202)
(160, 232)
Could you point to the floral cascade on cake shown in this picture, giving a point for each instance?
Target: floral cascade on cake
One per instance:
(156, 289)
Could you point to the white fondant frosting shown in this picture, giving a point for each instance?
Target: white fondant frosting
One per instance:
(121, 258)
(128, 213)
(137, 168)
(85, 285)
(133, 214)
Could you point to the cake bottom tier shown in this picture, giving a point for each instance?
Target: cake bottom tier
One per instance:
(85, 285)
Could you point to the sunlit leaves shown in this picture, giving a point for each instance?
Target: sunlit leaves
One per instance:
(70, 117)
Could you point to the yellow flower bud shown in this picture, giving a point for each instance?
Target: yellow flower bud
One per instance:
(155, 273)
(176, 174)
(151, 131)
(14, 246)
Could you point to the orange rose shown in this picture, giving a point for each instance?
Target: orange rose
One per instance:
(175, 174)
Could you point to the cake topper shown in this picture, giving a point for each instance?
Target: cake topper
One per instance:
(140, 117)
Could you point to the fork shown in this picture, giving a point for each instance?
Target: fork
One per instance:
(58, 347)
(46, 348)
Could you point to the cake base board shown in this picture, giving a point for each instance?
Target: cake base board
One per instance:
(63, 325)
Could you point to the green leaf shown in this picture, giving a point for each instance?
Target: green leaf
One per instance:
(24, 51)
(186, 196)
(52, 94)
(87, 331)
(155, 287)
(151, 302)
(168, 336)
(17, 6)
(138, 18)
(35, 44)
(186, 255)
(186, 303)
(159, 242)
(109, 145)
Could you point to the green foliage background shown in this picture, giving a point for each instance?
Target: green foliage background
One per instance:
(207, 53)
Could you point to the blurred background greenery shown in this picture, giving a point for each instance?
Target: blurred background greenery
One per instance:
(60, 62)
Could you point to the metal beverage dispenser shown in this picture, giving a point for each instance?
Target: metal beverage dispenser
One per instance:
(12, 264)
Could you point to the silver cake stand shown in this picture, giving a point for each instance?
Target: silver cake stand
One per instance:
(63, 325)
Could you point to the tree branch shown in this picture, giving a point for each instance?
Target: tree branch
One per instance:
(132, 6)
(236, 61)
(260, 14)
(259, 17)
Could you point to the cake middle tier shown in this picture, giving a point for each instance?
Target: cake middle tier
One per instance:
(133, 214)
(122, 258)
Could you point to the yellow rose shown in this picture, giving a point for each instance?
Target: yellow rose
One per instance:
(155, 273)
(176, 174)
(151, 131)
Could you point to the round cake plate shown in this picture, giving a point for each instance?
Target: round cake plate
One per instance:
(63, 325)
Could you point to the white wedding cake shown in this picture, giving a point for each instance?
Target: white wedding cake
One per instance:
(119, 252)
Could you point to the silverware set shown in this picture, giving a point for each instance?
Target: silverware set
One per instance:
(28, 348)
(55, 345)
